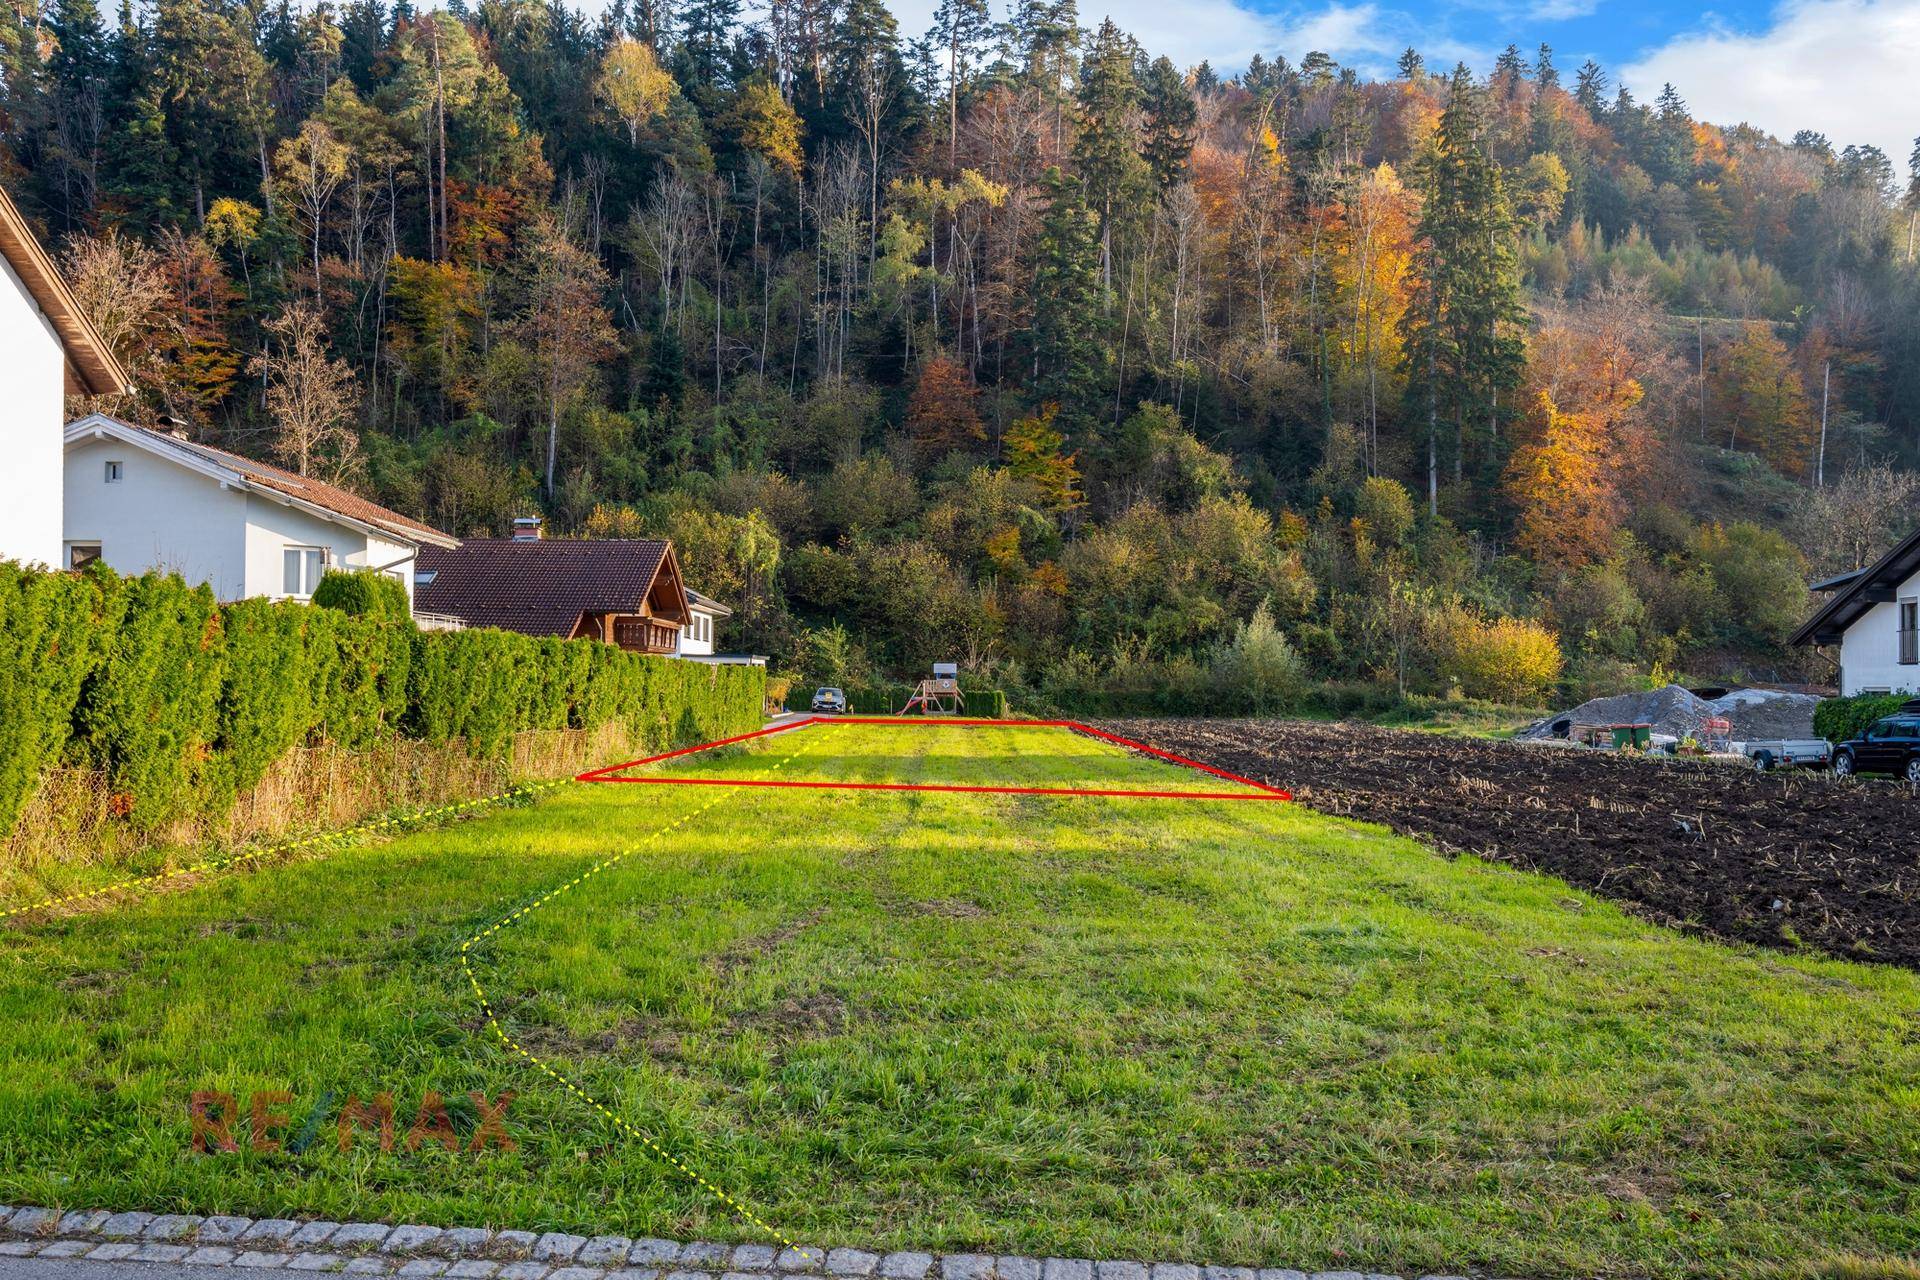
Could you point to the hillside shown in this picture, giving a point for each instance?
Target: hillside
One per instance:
(1011, 342)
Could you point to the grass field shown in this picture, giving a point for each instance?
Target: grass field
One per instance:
(1214, 1031)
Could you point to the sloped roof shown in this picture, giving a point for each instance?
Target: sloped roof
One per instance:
(1854, 594)
(707, 604)
(541, 588)
(233, 469)
(91, 368)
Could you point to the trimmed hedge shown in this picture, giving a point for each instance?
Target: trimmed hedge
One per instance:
(184, 704)
(1838, 719)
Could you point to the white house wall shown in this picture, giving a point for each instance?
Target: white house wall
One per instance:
(159, 515)
(272, 527)
(32, 418)
(1870, 653)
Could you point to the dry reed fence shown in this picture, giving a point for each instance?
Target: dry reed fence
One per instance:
(69, 823)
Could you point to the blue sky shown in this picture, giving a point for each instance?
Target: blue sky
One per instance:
(1849, 68)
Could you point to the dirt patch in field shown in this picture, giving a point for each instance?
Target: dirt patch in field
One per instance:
(1780, 859)
(762, 945)
(820, 1013)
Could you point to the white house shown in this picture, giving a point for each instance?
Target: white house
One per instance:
(48, 350)
(142, 499)
(1872, 617)
(696, 638)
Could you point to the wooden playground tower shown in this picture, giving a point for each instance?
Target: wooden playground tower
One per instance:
(940, 695)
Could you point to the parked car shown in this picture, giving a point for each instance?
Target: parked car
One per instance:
(831, 700)
(1891, 746)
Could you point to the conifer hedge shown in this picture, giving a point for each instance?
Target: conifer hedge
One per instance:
(1842, 719)
(183, 704)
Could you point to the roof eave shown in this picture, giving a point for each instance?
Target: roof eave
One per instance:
(89, 360)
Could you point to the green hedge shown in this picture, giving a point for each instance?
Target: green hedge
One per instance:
(184, 704)
(1838, 719)
(365, 593)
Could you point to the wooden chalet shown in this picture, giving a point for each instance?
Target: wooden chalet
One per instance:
(627, 592)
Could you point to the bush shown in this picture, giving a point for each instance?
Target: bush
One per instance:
(364, 593)
(1508, 660)
(1257, 671)
(1838, 719)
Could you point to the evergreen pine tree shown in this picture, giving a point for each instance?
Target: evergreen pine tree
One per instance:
(80, 71)
(1463, 348)
(1590, 88)
(1107, 149)
(1411, 65)
(1068, 305)
(1171, 115)
(961, 29)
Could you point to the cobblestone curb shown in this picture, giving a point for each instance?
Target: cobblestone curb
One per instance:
(473, 1253)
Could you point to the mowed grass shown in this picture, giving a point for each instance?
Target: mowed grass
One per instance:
(1217, 1031)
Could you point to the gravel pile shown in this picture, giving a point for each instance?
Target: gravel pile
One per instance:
(1676, 713)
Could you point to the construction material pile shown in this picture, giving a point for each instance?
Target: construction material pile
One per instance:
(1677, 714)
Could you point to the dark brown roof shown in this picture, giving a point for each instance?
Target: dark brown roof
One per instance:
(541, 588)
(1855, 594)
(91, 368)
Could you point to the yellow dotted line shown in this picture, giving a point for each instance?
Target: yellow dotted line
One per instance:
(267, 851)
(486, 1009)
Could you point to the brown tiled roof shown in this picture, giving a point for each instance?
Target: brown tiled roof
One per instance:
(538, 588)
(307, 489)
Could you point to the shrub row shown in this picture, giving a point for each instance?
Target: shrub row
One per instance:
(183, 703)
(1838, 719)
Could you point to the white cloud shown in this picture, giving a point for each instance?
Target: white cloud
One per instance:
(1228, 33)
(1844, 67)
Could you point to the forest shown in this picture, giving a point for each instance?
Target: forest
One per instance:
(1011, 342)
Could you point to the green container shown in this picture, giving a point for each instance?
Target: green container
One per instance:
(1639, 737)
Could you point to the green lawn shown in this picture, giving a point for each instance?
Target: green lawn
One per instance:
(1219, 1031)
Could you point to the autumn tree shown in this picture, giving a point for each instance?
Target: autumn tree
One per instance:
(941, 414)
(121, 284)
(1764, 404)
(310, 166)
(1035, 451)
(1557, 482)
(563, 322)
(633, 88)
(310, 396)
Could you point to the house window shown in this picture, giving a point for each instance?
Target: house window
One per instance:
(82, 554)
(1909, 632)
(113, 471)
(304, 565)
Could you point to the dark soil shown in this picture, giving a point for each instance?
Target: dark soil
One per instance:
(1782, 860)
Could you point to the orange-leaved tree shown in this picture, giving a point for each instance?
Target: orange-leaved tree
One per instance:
(940, 414)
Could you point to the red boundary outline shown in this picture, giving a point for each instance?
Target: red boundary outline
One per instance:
(1260, 790)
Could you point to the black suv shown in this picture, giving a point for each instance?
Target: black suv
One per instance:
(1891, 746)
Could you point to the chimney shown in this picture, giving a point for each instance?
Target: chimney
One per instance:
(175, 426)
(526, 529)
